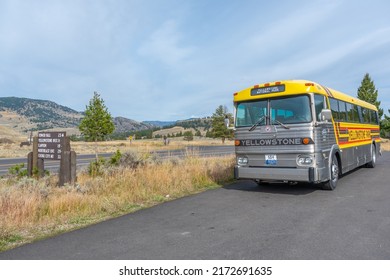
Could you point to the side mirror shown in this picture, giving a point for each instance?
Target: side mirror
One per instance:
(326, 115)
(227, 122)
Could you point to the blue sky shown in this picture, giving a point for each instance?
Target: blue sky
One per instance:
(176, 59)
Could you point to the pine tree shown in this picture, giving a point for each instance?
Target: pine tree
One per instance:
(219, 130)
(97, 123)
(386, 123)
(188, 135)
(369, 93)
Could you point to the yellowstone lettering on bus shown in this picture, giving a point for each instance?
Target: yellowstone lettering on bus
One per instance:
(359, 134)
(270, 142)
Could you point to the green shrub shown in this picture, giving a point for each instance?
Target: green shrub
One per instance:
(96, 168)
(116, 158)
(18, 170)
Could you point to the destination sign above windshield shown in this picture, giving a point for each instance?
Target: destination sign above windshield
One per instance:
(266, 90)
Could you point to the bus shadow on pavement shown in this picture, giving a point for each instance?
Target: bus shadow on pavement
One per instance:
(300, 188)
(274, 187)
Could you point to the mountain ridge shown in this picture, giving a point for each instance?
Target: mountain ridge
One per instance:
(26, 114)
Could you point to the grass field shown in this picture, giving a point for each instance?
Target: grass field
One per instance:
(14, 150)
(32, 209)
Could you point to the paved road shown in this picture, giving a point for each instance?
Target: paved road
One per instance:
(243, 221)
(83, 160)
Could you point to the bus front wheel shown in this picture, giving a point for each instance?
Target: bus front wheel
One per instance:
(261, 182)
(333, 174)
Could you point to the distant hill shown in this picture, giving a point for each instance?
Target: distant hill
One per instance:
(126, 125)
(24, 114)
(160, 123)
(189, 123)
(196, 123)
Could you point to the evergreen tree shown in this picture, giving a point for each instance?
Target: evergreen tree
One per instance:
(219, 130)
(188, 136)
(369, 93)
(386, 124)
(97, 123)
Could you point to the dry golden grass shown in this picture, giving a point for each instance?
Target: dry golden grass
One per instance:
(7, 132)
(142, 146)
(10, 143)
(33, 208)
(14, 150)
(15, 122)
(385, 145)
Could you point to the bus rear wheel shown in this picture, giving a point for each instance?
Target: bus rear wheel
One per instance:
(334, 175)
(372, 163)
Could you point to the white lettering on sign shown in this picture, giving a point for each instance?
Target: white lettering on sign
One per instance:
(50, 144)
(45, 140)
(46, 156)
(44, 135)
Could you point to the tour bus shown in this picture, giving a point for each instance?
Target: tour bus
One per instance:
(300, 131)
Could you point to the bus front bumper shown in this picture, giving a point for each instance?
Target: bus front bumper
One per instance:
(277, 174)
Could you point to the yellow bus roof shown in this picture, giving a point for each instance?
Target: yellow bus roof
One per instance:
(291, 87)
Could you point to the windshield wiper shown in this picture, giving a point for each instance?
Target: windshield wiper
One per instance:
(282, 124)
(257, 123)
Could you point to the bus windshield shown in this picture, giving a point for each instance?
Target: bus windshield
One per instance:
(286, 110)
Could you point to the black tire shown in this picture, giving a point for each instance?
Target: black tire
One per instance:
(261, 183)
(334, 175)
(372, 163)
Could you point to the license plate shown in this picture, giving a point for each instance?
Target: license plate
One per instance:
(271, 159)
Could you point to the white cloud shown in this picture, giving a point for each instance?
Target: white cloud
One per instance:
(164, 46)
(282, 31)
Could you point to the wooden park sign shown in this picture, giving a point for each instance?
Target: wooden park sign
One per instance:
(52, 145)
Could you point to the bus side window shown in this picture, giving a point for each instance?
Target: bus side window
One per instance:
(356, 116)
(350, 114)
(360, 113)
(334, 106)
(319, 104)
(342, 111)
(374, 117)
(366, 115)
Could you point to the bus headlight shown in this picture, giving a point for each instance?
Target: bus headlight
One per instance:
(304, 160)
(242, 160)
